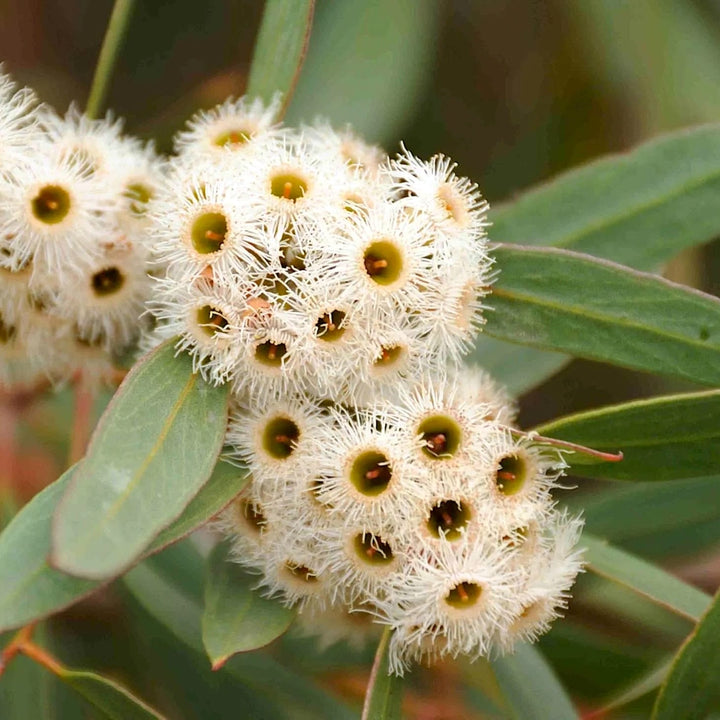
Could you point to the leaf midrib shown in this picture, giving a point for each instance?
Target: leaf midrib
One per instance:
(574, 311)
(123, 497)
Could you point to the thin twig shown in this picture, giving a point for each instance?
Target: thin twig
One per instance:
(82, 419)
(8, 443)
(15, 645)
(42, 657)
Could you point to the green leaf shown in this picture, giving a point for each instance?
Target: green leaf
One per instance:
(623, 40)
(114, 701)
(691, 690)
(237, 618)
(655, 519)
(645, 684)
(530, 687)
(280, 48)
(30, 589)
(667, 438)
(383, 697)
(595, 309)
(638, 209)
(225, 483)
(181, 615)
(368, 64)
(643, 578)
(153, 450)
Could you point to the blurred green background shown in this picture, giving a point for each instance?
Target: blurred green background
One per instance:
(515, 91)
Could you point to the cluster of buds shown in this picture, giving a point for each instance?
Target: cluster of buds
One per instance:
(337, 290)
(73, 246)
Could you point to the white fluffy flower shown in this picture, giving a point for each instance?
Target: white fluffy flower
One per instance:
(55, 213)
(235, 126)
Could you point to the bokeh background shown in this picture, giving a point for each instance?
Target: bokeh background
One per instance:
(515, 91)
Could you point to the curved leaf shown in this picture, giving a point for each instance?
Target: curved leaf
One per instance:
(280, 48)
(30, 589)
(639, 209)
(646, 683)
(381, 57)
(591, 308)
(530, 687)
(643, 578)
(225, 483)
(655, 519)
(181, 614)
(153, 450)
(691, 690)
(113, 700)
(236, 617)
(666, 438)
(384, 693)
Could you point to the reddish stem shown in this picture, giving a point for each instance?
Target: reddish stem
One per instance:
(82, 419)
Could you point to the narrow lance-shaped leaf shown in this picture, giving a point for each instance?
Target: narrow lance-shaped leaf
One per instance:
(646, 683)
(678, 518)
(666, 438)
(384, 693)
(153, 450)
(113, 701)
(530, 687)
(691, 690)
(639, 209)
(237, 618)
(382, 58)
(30, 589)
(644, 578)
(595, 309)
(280, 48)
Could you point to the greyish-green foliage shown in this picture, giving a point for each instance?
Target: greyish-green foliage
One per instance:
(147, 480)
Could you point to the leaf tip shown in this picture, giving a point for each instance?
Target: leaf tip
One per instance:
(219, 663)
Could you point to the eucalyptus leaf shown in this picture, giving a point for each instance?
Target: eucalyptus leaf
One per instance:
(530, 687)
(555, 299)
(655, 519)
(381, 59)
(691, 691)
(225, 483)
(644, 578)
(280, 48)
(666, 438)
(237, 618)
(31, 589)
(114, 701)
(181, 615)
(648, 682)
(153, 450)
(639, 209)
(384, 693)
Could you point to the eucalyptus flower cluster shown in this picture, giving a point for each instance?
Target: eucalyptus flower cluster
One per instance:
(73, 246)
(306, 261)
(337, 289)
